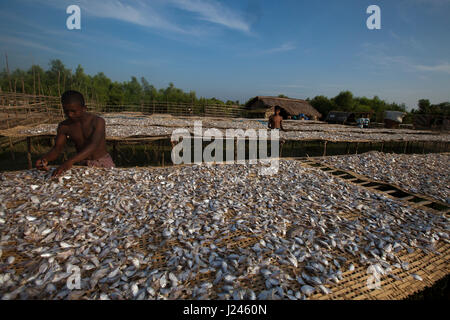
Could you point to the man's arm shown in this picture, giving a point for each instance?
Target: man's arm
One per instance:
(53, 154)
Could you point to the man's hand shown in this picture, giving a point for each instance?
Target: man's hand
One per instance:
(62, 168)
(41, 164)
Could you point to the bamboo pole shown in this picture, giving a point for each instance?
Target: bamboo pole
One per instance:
(30, 164)
(11, 146)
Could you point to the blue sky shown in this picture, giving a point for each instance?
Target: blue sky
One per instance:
(239, 49)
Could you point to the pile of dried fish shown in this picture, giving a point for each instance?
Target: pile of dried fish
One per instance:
(125, 127)
(200, 232)
(165, 121)
(427, 174)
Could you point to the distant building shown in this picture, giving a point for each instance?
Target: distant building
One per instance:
(263, 107)
(393, 119)
(432, 121)
(342, 117)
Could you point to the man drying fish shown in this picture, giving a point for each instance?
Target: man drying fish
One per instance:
(85, 129)
(276, 120)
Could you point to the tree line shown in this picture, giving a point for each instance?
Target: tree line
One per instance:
(102, 90)
(98, 88)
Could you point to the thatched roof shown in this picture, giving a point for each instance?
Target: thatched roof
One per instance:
(292, 107)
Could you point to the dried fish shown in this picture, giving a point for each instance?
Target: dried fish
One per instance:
(200, 232)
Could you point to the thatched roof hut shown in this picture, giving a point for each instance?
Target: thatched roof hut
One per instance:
(263, 106)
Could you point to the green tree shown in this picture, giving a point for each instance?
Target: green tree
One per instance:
(344, 101)
(424, 105)
(323, 105)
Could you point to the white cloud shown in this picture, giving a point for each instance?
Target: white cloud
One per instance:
(214, 12)
(288, 46)
(135, 12)
(160, 14)
(443, 67)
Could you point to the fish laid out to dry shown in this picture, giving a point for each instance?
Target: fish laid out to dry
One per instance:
(125, 127)
(427, 174)
(200, 232)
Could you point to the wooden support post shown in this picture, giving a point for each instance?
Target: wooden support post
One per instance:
(30, 164)
(11, 150)
(357, 145)
(325, 148)
(163, 164)
(382, 146)
(11, 146)
(406, 147)
(348, 148)
(115, 151)
(423, 147)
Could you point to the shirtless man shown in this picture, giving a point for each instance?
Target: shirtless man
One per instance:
(275, 121)
(86, 130)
